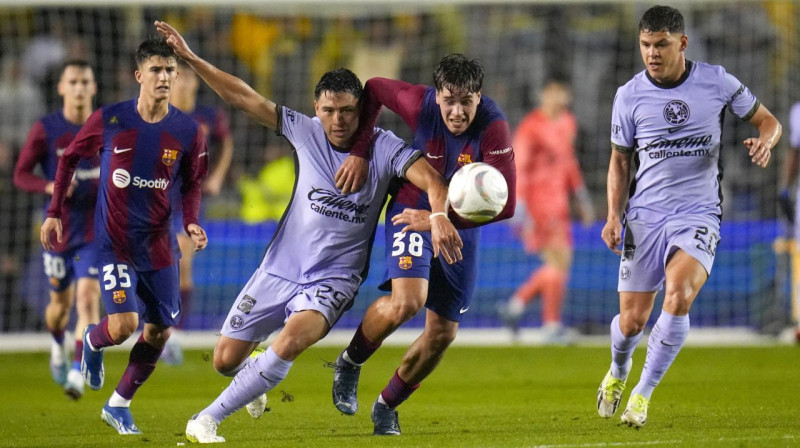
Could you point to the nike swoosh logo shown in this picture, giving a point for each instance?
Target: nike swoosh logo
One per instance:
(175, 314)
(203, 154)
(668, 345)
(463, 310)
(431, 156)
(121, 150)
(676, 128)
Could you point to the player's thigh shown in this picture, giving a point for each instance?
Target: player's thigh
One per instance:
(409, 292)
(85, 266)
(260, 308)
(330, 298)
(60, 270)
(408, 254)
(159, 292)
(118, 281)
(685, 277)
(644, 251)
(302, 330)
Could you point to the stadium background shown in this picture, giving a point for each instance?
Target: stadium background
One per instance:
(281, 48)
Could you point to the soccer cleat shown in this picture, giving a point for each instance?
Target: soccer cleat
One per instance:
(385, 420)
(203, 429)
(172, 354)
(510, 319)
(74, 385)
(92, 362)
(58, 362)
(257, 407)
(635, 414)
(609, 395)
(345, 386)
(119, 418)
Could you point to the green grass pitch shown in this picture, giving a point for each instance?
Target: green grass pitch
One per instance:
(478, 397)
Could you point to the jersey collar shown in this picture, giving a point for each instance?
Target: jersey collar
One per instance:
(672, 85)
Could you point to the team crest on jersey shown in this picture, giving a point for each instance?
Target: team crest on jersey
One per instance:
(405, 263)
(169, 156)
(113, 120)
(247, 304)
(464, 159)
(54, 282)
(237, 322)
(119, 296)
(676, 112)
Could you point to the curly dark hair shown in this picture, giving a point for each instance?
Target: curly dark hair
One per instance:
(154, 46)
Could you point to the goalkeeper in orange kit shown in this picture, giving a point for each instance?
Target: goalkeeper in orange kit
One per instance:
(548, 174)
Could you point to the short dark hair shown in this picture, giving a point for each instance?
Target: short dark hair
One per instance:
(154, 46)
(340, 80)
(458, 74)
(80, 63)
(662, 18)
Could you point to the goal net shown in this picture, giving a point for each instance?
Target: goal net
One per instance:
(281, 48)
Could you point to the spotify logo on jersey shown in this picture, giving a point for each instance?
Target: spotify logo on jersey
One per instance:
(121, 178)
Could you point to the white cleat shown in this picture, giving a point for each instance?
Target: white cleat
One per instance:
(257, 407)
(609, 395)
(203, 429)
(74, 385)
(59, 365)
(635, 414)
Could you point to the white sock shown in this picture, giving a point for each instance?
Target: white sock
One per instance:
(346, 357)
(116, 401)
(516, 306)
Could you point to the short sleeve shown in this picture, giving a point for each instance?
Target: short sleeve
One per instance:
(394, 154)
(296, 127)
(623, 129)
(738, 97)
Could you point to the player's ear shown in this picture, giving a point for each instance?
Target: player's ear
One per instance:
(684, 42)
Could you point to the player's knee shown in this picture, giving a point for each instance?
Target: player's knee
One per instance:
(405, 306)
(225, 363)
(631, 325)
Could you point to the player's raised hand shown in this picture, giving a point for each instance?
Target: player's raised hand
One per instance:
(760, 152)
(174, 39)
(49, 226)
(612, 235)
(352, 175)
(445, 238)
(198, 235)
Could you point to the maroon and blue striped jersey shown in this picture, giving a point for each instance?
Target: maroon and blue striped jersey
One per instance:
(488, 139)
(47, 140)
(140, 163)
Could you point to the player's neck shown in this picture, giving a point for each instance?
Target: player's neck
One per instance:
(152, 110)
(77, 114)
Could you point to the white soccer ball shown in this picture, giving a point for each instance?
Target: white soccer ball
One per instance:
(478, 192)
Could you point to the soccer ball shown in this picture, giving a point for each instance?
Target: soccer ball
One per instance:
(478, 192)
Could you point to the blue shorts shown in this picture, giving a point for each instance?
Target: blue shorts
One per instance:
(410, 255)
(152, 294)
(648, 246)
(62, 268)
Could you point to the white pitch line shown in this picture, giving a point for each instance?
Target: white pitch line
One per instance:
(666, 442)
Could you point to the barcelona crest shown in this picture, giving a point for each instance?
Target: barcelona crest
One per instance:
(169, 156)
(405, 263)
(118, 296)
(464, 159)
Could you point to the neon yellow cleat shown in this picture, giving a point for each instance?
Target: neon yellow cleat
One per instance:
(635, 414)
(609, 395)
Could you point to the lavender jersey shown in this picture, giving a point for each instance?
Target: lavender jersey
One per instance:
(675, 133)
(324, 234)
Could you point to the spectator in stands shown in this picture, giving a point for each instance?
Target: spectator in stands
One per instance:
(548, 173)
(265, 196)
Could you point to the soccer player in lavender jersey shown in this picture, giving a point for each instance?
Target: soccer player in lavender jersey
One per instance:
(74, 257)
(214, 123)
(147, 148)
(455, 125)
(791, 172)
(668, 119)
(319, 254)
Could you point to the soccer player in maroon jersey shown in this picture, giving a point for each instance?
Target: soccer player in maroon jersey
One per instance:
(72, 261)
(214, 123)
(455, 125)
(147, 148)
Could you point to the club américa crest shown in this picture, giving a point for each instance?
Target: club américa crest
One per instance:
(676, 112)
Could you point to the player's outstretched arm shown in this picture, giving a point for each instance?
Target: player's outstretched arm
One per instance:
(49, 226)
(444, 235)
(233, 90)
(617, 192)
(769, 132)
